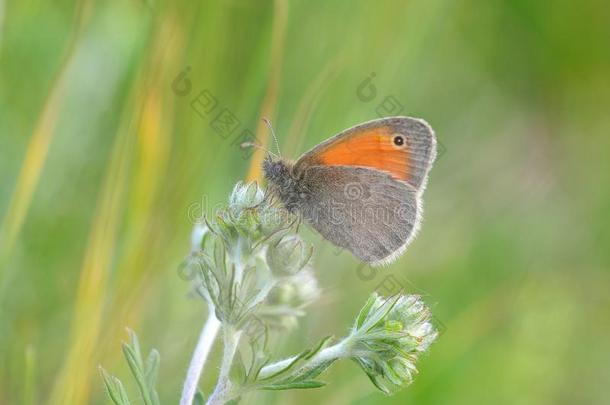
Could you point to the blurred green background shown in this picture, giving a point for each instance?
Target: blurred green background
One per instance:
(104, 161)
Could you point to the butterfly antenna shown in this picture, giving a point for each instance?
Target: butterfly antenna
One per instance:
(277, 144)
(250, 144)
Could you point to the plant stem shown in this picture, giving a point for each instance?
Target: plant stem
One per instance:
(206, 340)
(222, 391)
(331, 353)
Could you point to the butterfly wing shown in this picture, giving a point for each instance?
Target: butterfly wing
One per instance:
(404, 147)
(365, 211)
(364, 186)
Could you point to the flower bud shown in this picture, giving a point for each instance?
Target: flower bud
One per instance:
(245, 196)
(288, 256)
(387, 338)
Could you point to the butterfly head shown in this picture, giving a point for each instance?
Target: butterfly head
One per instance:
(276, 170)
(282, 182)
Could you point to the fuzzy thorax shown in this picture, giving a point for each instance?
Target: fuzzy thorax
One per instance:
(276, 170)
(283, 182)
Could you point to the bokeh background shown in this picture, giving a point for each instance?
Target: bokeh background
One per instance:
(120, 122)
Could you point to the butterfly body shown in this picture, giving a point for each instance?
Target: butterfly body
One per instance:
(361, 189)
(285, 185)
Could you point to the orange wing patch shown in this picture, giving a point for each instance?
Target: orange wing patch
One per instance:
(374, 148)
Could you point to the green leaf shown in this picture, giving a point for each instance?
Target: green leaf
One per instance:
(319, 347)
(315, 371)
(381, 313)
(364, 312)
(372, 375)
(134, 360)
(151, 374)
(135, 344)
(114, 388)
(291, 364)
(258, 358)
(256, 367)
(152, 367)
(238, 369)
(199, 398)
(294, 385)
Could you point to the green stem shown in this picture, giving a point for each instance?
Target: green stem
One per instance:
(222, 391)
(204, 345)
(331, 353)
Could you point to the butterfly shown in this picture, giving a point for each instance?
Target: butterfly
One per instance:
(361, 189)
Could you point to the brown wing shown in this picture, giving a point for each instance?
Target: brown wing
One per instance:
(365, 211)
